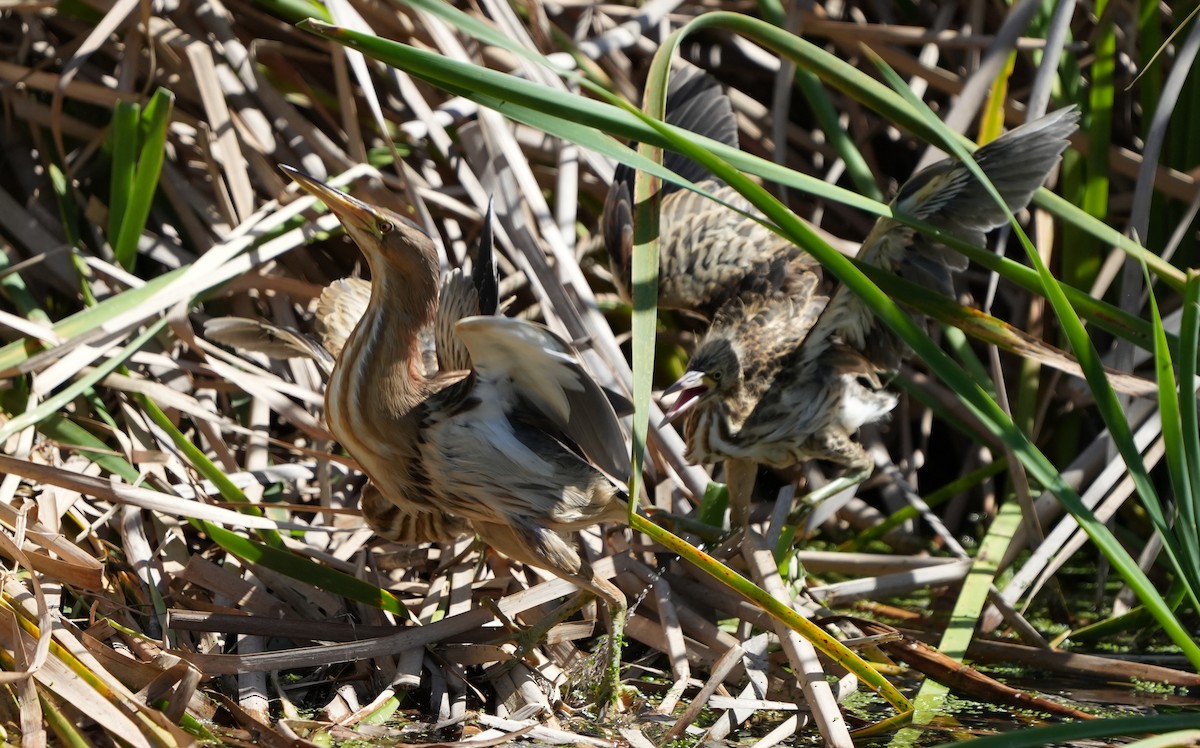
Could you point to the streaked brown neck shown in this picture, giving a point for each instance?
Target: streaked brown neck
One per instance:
(378, 373)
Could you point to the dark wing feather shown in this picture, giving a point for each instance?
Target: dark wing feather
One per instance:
(461, 296)
(483, 272)
(948, 196)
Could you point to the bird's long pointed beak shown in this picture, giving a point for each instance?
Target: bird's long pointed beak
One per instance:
(690, 387)
(350, 210)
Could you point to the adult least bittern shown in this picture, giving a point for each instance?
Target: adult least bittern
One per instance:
(340, 307)
(521, 445)
(779, 381)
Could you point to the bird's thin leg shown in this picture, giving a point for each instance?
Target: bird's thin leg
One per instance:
(739, 478)
(611, 691)
(545, 548)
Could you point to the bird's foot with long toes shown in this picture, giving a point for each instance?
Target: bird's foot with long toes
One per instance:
(528, 639)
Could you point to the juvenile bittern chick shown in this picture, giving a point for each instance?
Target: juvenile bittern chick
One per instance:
(709, 254)
(778, 382)
(521, 445)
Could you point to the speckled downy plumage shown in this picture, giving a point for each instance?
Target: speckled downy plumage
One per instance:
(709, 254)
(779, 381)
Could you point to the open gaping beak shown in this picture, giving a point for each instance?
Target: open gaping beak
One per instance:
(690, 387)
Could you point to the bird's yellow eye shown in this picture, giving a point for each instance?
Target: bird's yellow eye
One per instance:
(715, 376)
(385, 227)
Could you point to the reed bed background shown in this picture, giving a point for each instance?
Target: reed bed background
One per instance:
(185, 559)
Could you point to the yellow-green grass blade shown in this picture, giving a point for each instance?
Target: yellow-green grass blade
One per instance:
(1099, 313)
(1189, 335)
(152, 131)
(989, 329)
(294, 11)
(713, 505)
(123, 136)
(15, 355)
(200, 462)
(1178, 448)
(68, 213)
(1082, 254)
(82, 676)
(296, 567)
(1135, 619)
(1076, 732)
(991, 121)
(13, 288)
(779, 610)
(968, 606)
(56, 402)
(647, 194)
(62, 725)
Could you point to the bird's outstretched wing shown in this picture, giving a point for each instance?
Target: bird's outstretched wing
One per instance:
(340, 307)
(948, 196)
(271, 340)
(544, 371)
(464, 296)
